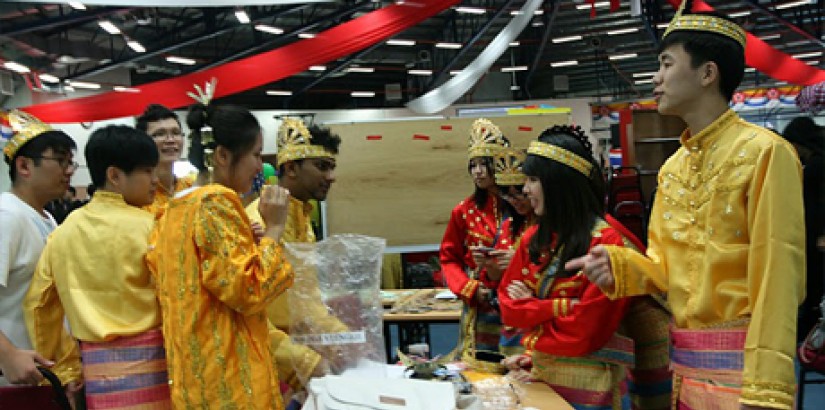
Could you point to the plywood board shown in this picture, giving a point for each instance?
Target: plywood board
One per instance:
(399, 180)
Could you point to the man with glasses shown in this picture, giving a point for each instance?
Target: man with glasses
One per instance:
(41, 165)
(306, 167)
(163, 126)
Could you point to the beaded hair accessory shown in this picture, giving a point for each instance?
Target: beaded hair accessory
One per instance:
(704, 22)
(486, 139)
(295, 142)
(19, 127)
(204, 96)
(508, 167)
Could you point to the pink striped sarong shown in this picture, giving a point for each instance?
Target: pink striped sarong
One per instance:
(128, 373)
(707, 367)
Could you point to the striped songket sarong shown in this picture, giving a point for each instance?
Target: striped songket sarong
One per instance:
(593, 382)
(650, 381)
(128, 373)
(707, 367)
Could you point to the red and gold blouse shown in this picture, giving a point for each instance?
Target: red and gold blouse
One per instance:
(468, 226)
(568, 316)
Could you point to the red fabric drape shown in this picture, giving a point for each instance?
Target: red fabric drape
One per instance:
(763, 57)
(249, 72)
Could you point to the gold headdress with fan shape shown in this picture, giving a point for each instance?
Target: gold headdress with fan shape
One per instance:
(486, 139)
(295, 142)
(508, 167)
(704, 22)
(24, 128)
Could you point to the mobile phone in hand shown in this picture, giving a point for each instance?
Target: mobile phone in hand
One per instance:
(485, 249)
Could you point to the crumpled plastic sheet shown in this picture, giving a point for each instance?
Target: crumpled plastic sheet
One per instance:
(335, 302)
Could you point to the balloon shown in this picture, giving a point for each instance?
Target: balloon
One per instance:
(269, 171)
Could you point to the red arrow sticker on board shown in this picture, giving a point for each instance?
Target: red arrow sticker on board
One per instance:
(523, 128)
(421, 137)
(373, 137)
(447, 127)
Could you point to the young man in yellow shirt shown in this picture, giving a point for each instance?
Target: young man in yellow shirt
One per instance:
(726, 235)
(92, 273)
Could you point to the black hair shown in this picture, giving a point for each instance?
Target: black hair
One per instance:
(572, 201)
(805, 132)
(233, 127)
(480, 196)
(59, 142)
(704, 46)
(509, 210)
(152, 113)
(321, 136)
(72, 190)
(118, 146)
(90, 190)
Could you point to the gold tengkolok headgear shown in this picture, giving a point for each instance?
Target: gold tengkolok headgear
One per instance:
(508, 167)
(704, 22)
(19, 127)
(561, 155)
(204, 96)
(486, 139)
(295, 142)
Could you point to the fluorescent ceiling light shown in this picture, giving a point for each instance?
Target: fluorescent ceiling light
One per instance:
(16, 67)
(749, 69)
(739, 14)
(399, 42)
(791, 4)
(514, 68)
(648, 81)
(622, 31)
(317, 68)
(588, 5)
(420, 72)
(448, 45)
(49, 78)
(306, 35)
(242, 17)
(83, 84)
(360, 70)
(770, 37)
(362, 94)
(566, 39)
(647, 74)
(518, 12)
(68, 88)
(470, 10)
(514, 44)
(278, 92)
(454, 72)
(122, 89)
(514, 88)
(808, 55)
(537, 24)
(622, 56)
(180, 60)
(812, 62)
(109, 27)
(137, 47)
(268, 29)
(564, 63)
(662, 25)
(77, 5)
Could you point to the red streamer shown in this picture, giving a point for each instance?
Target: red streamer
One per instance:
(250, 72)
(421, 137)
(763, 57)
(447, 127)
(523, 128)
(373, 137)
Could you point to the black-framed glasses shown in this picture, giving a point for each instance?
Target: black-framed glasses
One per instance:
(163, 135)
(64, 162)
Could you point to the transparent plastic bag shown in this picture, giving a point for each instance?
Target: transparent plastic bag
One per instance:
(335, 302)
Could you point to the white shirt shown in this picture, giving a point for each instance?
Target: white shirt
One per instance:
(23, 233)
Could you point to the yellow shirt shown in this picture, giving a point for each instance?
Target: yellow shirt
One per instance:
(214, 283)
(291, 356)
(727, 243)
(162, 197)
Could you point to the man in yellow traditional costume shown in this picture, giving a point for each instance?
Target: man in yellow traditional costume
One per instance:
(41, 165)
(306, 167)
(726, 235)
(93, 275)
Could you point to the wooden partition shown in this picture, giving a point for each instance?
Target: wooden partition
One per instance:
(399, 179)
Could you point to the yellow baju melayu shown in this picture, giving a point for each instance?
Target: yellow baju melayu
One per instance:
(92, 271)
(727, 243)
(162, 197)
(295, 361)
(214, 284)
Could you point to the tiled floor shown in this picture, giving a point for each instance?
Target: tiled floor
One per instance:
(444, 337)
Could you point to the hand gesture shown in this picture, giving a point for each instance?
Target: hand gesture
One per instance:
(273, 207)
(20, 366)
(596, 266)
(517, 290)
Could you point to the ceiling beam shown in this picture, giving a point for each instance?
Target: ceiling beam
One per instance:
(548, 28)
(796, 29)
(60, 21)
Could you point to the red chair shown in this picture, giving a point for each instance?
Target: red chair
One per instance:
(36, 397)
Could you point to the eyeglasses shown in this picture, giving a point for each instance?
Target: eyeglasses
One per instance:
(64, 162)
(161, 135)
